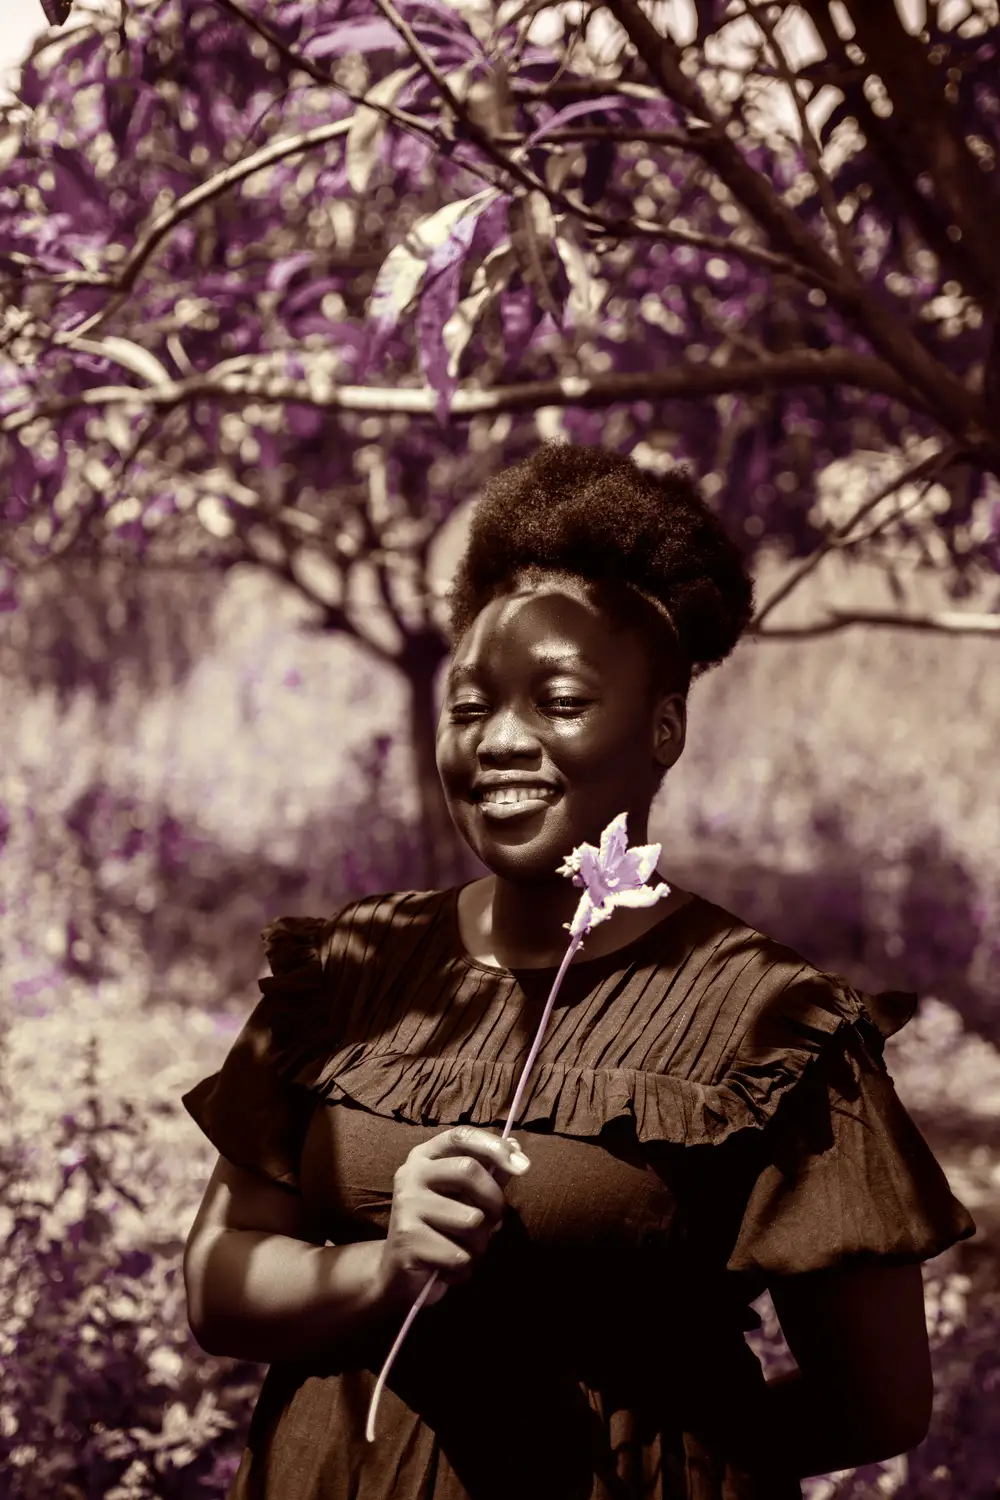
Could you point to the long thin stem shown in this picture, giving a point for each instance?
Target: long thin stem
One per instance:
(432, 1279)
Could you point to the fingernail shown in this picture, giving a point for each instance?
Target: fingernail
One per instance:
(519, 1162)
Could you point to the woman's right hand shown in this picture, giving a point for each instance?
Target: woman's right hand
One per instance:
(447, 1203)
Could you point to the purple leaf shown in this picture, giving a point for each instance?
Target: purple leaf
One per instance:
(436, 242)
(379, 35)
(367, 129)
(574, 111)
(355, 36)
(280, 273)
(436, 306)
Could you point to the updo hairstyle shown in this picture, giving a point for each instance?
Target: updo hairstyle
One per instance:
(646, 547)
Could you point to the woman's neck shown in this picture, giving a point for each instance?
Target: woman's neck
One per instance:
(517, 926)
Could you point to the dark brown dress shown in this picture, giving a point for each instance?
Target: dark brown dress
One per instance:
(707, 1112)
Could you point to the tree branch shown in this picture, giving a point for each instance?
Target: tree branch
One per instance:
(28, 263)
(474, 131)
(293, 531)
(637, 228)
(928, 469)
(122, 283)
(922, 109)
(662, 59)
(595, 222)
(186, 205)
(886, 141)
(810, 145)
(567, 90)
(946, 623)
(682, 382)
(959, 411)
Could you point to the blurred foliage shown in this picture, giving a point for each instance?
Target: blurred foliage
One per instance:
(102, 624)
(161, 800)
(251, 318)
(559, 215)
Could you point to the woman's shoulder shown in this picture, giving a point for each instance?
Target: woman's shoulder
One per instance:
(720, 938)
(776, 984)
(362, 925)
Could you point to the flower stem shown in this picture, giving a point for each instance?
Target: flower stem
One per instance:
(539, 1034)
(425, 1291)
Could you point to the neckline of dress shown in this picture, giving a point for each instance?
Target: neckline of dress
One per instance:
(614, 956)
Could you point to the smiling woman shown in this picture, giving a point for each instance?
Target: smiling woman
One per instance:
(588, 598)
(707, 1115)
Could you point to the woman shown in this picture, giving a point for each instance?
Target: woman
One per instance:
(709, 1115)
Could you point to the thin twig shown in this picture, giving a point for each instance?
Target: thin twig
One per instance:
(810, 145)
(929, 468)
(216, 185)
(880, 527)
(946, 623)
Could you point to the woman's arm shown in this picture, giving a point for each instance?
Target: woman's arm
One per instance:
(808, 1434)
(864, 1389)
(260, 1285)
(256, 1295)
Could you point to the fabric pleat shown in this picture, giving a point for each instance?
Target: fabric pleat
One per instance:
(707, 1112)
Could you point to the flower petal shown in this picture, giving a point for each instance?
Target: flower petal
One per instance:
(591, 870)
(611, 876)
(601, 912)
(583, 918)
(643, 895)
(614, 841)
(644, 859)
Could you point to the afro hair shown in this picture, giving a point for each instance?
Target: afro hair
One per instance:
(590, 514)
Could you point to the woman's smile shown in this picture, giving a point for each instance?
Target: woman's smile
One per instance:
(503, 804)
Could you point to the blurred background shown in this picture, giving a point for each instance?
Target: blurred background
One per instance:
(207, 725)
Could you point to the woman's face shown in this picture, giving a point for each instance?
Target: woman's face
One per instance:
(546, 688)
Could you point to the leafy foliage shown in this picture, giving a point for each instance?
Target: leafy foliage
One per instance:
(245, 338)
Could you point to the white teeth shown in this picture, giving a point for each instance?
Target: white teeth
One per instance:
(519, 794)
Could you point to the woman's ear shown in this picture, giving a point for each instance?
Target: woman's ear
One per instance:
(670, 729)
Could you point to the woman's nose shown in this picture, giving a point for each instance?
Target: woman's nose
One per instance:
(505, 732)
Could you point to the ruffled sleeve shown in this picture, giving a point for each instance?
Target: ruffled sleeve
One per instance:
(251, 1112)
(843, 1169)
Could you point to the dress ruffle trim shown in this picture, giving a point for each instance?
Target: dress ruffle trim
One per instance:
(572, 1101)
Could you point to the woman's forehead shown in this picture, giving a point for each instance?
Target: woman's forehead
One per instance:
(556, 607)
(557, 627)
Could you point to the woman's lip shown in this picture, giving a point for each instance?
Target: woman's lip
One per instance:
(523, 808)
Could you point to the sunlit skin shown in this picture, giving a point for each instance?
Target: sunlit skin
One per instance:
(546, 682)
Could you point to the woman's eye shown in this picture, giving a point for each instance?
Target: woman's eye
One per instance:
(469, 708)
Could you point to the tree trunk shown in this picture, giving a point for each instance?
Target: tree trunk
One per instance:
(447, 860)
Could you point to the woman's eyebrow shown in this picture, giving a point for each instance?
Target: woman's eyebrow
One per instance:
(547, 661)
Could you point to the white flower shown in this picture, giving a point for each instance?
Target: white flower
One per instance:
(613, 876)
